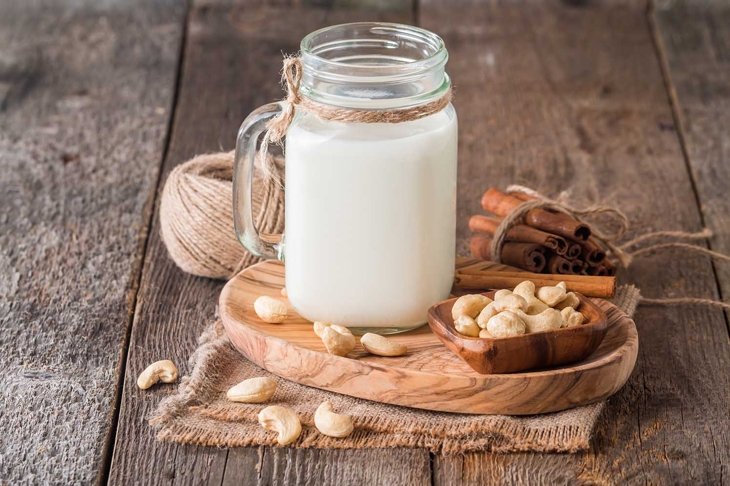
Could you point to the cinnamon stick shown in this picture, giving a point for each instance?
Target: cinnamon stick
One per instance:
(604, 269)
(558, 264)
(603, 287)
(529, 256)
(521, 196)
(592, 252)
(577, 267)
(480, 266)
(574, 250)
(597, 270)
(589, 249)
(502, 204)
(520, 233)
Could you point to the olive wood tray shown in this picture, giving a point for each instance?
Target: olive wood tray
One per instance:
(528, 351)
(430, 376)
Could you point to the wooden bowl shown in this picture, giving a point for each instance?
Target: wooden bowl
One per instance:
(528, 351)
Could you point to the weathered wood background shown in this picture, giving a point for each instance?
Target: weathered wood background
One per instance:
(623, 101)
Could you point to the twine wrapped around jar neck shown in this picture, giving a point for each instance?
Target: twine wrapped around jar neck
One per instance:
(291, 78)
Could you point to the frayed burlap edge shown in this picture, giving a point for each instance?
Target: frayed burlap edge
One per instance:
(199, 414)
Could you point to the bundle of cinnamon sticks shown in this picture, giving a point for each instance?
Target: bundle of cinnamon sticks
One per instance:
(545, 242)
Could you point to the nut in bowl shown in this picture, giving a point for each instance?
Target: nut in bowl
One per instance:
(542, 336)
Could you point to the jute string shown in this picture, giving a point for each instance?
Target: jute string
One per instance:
(291, 77)
(196, 217)
(620, 252)
(561, 205)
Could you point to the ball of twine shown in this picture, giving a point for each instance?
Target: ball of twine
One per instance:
(196, 216)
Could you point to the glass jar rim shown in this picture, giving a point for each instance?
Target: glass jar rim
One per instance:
(312, 47)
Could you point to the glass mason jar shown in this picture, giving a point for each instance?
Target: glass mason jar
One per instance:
(370, 208)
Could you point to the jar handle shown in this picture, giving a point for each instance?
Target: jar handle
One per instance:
(268, 246)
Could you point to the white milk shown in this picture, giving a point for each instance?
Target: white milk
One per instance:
(370, 219)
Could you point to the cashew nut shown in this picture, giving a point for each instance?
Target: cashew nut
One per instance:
(253, 390)
(467, 326)
(505, 302)
(330, 423)
(337, 339)
(570, 300)
(506, 324)
(501, 293)
(283, 292)
(469, 305)
(487, 313)
(319, 326)
(381, 345)
(164, 371)
(526, 290)
(547, 320)
(283, 421)
(571, 317)
(552, 295)
(485, 334)
(524, 310)
(270, 310)
(510, 302)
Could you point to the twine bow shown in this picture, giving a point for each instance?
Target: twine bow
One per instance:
(291, 77)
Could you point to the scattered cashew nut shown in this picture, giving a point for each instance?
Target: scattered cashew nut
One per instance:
(526, 290)
(506, 324)
(547, 320)
(552, 295)
(283, 421)
(330, 423)
(319, 326)
(270, 310)
(469, 305)
(164, 371)
(253, 390)
(467, 326)
(337, 339)
(381, 345)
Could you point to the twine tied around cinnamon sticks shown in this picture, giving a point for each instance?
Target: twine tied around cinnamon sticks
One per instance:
(291, 77)
(538, 201)
(620, 252)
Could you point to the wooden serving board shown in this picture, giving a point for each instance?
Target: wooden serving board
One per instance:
(430, 376)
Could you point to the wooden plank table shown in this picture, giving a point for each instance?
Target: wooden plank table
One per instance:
(621, 101)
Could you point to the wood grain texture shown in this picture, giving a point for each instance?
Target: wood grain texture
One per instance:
(694, 38)
(429, 376)
(232, 61)
(398, 467)
(561, 94)
(86, 92)
(274, 466)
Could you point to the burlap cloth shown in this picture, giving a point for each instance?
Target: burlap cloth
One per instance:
(200, 414)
